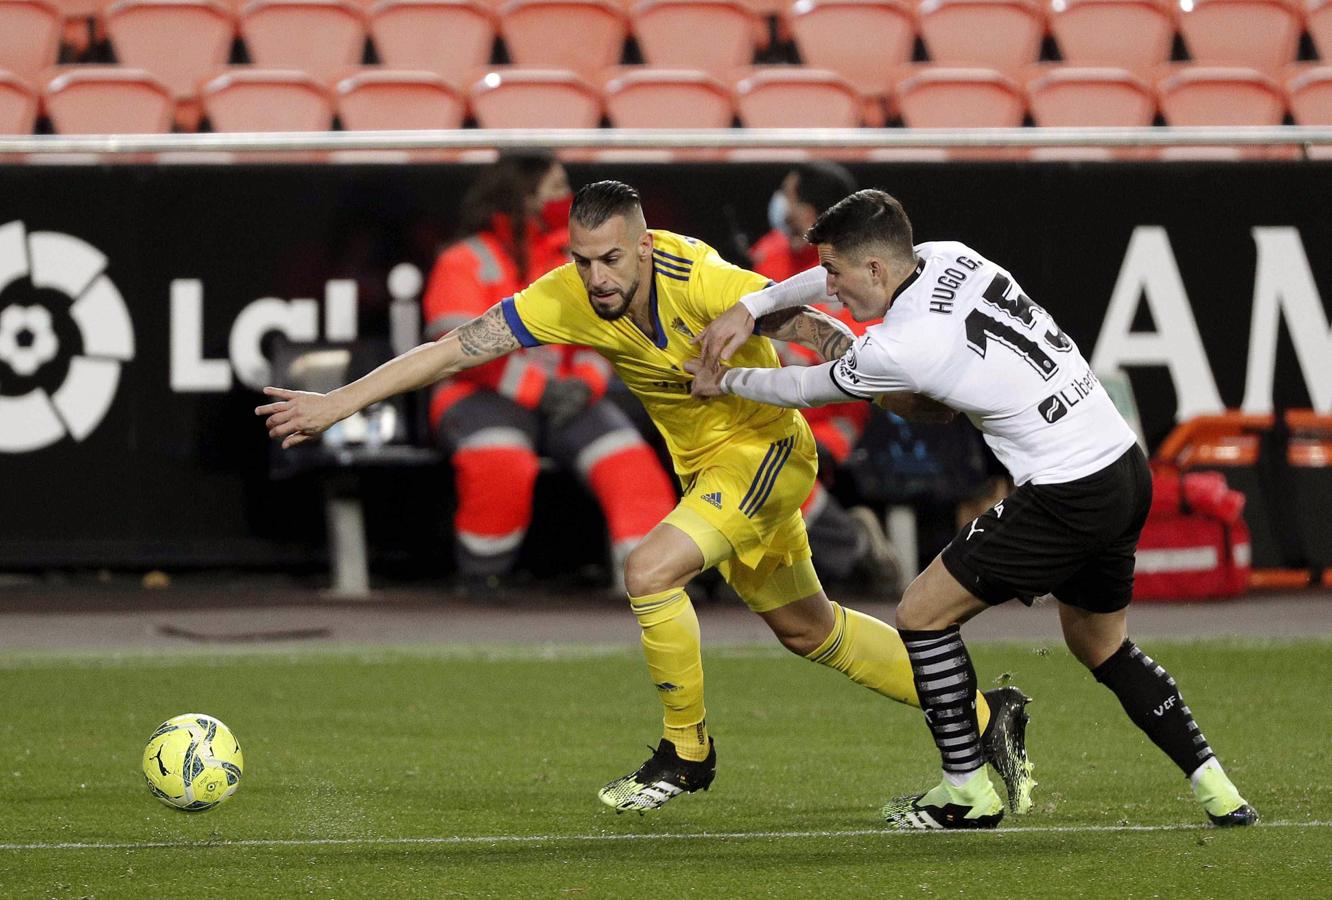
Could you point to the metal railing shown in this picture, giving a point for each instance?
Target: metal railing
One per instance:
(821, 139)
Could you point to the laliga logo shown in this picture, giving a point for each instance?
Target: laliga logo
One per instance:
(64, 332)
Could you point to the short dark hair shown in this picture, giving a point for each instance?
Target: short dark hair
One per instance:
(822, 183)
(865, 218)
(597, 202)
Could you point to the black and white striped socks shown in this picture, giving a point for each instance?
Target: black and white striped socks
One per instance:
(946, 684)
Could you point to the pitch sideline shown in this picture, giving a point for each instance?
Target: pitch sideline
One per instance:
(464, 840)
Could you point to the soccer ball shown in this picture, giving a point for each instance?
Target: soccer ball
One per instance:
(192, 762)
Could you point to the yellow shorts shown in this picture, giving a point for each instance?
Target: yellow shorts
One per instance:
(743, 511)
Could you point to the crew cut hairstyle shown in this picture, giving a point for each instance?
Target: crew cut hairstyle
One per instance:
(864, 219)
(597, 202)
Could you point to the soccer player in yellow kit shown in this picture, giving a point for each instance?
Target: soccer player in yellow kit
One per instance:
(639, 297)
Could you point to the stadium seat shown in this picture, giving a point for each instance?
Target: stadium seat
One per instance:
(267, 100)
(716, 36)
(1131, 34)
(323, 38)
(107, 100)
(1318, 21)
(1309, 95)
(18, 105)
(864, 41)
(1258, 34)
(1065, 96)
(1216, 95)
(584, 36)
(997, 34)
(534, 98)
(797, 97)
(377, 100)
(452, 38)
(150, 34)
(668, 98)
(29, 36)
(947, 97)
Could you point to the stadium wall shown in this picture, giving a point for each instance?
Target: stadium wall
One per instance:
(133, 441)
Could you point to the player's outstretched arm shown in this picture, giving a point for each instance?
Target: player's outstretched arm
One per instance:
(816, 331)
(725, 334)
(297, 416)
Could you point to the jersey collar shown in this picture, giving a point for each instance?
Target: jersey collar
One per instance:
(660, 338)
(910, 280)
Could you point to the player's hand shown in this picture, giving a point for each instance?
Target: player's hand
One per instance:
(707, 378)
(725, 334)
(297, 416)
(915, 407)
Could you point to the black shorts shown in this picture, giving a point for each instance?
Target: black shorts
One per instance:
(1075, 540)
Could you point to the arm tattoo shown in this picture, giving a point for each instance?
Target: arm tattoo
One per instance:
(814, 330)
(487, 335)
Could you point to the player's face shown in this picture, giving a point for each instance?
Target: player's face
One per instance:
(611, 260)
(857, 282)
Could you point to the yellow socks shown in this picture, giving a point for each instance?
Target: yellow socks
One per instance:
(871, 653)
(671, 646)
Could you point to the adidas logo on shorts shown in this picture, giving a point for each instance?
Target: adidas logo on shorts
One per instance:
(714, 498)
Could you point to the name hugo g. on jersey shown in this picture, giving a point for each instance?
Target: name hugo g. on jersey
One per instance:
(963, 332)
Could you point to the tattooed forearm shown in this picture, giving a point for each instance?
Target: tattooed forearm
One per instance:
(814, 330)
(487, 335)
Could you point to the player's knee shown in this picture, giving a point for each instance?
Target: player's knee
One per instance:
(646, 573)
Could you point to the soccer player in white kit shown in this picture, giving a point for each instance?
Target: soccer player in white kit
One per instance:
(958, 330)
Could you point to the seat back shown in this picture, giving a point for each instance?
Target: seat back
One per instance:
(97, 100)
(1258, 34)
(864, 41)
(29, 36)
(999, 34)
(583, 36)
(1074, 96)
(391, 101)
(946, 97)
(1131, 34)
(789, 97)
(266, 100)
(451, 38)
(656, 98)
(716, 36)
(1215, 95)
(18, 105)
(152, 35)
(534, 98)
(320, 37)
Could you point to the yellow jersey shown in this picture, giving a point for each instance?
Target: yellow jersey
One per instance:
(691, 286)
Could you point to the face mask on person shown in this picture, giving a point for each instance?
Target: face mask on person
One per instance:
(555, 213)
(778, 207)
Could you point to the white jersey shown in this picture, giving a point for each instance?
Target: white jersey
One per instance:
(962, 332)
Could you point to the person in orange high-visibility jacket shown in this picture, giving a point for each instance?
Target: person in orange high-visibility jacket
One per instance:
(494, 419)
(847, 543)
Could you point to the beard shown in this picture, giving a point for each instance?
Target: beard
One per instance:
(610, 315)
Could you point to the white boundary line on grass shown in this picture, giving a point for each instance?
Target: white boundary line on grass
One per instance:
(597, 838)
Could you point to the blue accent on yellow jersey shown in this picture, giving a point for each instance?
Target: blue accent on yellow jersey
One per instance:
(516, 325)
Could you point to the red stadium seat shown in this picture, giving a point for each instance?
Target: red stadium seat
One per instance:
(1075, 96)
(18, 105)
(150, 35)
(584, 36)
(376, 100)
(29, 36)
(668, 98)
(451, 38)
(797, 97)
(1258, 34)
(1132, 34)
(1216, 95)
(1318, 20)
(716, 36)
(267, 100)
(1309, 93)
(946, 97)
(997, 34)
(534, 98)
(107, 100)
(320, 37)
(865, 41)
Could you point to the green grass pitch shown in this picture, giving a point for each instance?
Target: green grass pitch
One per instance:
(473, 772)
